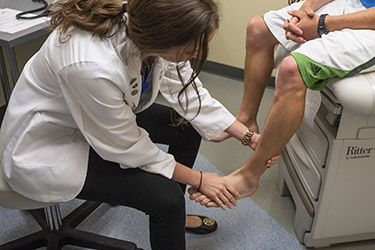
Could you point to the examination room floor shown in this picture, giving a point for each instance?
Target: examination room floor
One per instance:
(230, 154)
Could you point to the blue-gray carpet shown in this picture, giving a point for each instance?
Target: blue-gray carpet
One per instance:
(246, 227)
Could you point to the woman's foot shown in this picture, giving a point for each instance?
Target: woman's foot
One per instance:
(200, 224)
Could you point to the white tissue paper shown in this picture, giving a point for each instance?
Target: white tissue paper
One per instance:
(312, 104)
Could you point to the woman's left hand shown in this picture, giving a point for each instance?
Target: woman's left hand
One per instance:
(273, 161)
(253, 145)
(221, 137)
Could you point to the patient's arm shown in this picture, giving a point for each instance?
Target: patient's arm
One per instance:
(306, 27)
(364, 19)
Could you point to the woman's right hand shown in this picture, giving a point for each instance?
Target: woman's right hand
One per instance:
(212, 185)
(218, 190)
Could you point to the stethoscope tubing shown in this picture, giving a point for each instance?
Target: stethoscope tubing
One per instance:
(21, 15)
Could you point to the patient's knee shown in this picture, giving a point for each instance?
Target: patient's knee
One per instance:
(289, 79)
(258, 35)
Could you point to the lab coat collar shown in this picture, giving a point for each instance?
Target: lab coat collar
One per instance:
(129, 54)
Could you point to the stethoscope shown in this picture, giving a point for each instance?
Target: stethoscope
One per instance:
(44, 13)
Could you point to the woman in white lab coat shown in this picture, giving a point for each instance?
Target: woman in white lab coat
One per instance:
(73, 127)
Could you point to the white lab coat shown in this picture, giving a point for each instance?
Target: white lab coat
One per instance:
(83, 93)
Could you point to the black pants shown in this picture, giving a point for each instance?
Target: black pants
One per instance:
(162, 199)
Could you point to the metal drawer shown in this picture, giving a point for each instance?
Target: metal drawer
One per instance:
(305, 167)
(315, 142)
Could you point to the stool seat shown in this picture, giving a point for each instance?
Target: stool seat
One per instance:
(13, 200)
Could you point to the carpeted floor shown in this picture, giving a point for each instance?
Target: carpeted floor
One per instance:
(245, 227)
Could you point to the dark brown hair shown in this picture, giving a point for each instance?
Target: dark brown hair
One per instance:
(153, 25)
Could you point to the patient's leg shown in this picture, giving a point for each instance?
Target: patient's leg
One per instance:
(283, 120)
(260, 44)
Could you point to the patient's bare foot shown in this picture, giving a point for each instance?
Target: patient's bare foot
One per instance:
(244, 182)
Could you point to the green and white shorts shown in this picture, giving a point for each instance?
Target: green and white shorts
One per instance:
(340, 54)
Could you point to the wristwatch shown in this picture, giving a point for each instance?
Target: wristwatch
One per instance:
(321, 26)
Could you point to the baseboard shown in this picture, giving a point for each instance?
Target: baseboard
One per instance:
(231, 72)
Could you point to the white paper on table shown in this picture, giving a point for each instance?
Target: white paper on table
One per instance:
(10, 24)
(312, 105)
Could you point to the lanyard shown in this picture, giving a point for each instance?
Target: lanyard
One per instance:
(145, 83)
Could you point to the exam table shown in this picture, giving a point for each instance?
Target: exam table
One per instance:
(328, 166)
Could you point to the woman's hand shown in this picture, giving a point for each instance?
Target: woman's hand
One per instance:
(215, 188)
(221, 137)
(205, 200)
(200, 198)
(238, 130)
(210, 184)
(273, 160)
(253, 145)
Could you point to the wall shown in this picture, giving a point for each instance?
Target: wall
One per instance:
(228, 46)
(23, 54)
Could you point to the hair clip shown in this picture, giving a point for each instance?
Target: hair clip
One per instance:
(124, 3)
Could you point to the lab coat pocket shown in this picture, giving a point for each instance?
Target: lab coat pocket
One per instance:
(42, 144)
